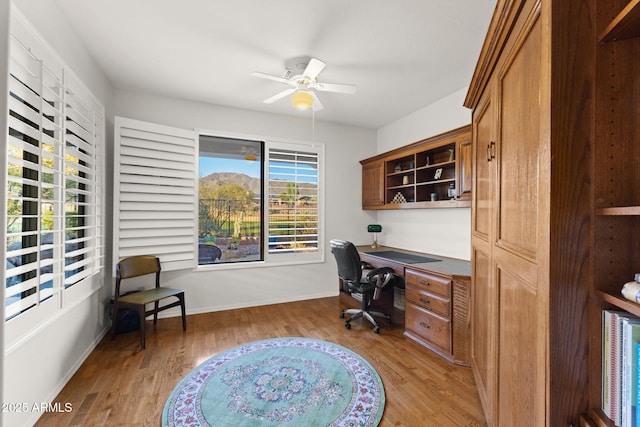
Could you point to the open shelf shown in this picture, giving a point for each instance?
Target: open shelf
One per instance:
(619, 211)
(619, 302)
(624, 26)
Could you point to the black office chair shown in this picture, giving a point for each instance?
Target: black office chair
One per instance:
(359, 278)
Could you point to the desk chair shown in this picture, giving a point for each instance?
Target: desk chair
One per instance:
(139, 266)
(359, 278)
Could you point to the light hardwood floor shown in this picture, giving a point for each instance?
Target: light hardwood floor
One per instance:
(121, 385)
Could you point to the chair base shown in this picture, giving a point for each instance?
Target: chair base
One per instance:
(369, 315)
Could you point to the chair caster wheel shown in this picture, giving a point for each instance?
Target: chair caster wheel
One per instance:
(342, 315)
(347, 325)
(376, 329)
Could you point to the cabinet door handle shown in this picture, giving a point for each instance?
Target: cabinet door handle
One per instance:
(425, 325)
(424, 300)
(491, 151)
(424, 282)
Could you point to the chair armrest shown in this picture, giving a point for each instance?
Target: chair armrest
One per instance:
(373, 276)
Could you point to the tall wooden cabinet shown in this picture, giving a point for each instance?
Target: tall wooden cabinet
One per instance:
(532, 101)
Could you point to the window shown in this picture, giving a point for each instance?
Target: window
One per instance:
(196, 200)
(231, 200)
(230, 203)
(54, 181)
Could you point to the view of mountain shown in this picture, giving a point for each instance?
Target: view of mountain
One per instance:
(253, 184)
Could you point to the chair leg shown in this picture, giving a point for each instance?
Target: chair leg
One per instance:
(155, 312)
(141, 316)
(184, 312)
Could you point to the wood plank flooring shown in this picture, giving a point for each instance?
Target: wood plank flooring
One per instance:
(121, 385)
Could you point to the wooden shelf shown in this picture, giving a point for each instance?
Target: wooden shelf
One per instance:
(624, 26)
(437, 165)
(619, 210)
(619, 302)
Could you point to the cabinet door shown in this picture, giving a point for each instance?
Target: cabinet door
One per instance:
(372, 185)
(464, 158)
(520, 242)
(483, 290)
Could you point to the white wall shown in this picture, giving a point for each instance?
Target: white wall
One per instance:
(36, 368)
(344, 218)
(438, 231)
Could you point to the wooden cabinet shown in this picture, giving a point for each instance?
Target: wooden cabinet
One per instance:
(373, 185)
(436, 316)
(435, 172)
(531, 213)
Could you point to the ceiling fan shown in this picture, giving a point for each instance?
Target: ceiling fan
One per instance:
(301, 74)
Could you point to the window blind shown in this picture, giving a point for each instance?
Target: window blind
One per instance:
(155, 181)
(293, 198)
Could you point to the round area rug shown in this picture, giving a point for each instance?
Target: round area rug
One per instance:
(279, 382)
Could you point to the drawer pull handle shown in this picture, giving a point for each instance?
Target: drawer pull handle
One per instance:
(424, 282)
(425, 325)
(424, 300)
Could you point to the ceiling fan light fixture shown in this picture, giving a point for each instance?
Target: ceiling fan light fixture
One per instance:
(302, 99)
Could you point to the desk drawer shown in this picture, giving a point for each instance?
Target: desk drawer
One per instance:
(429, 282)
(431, 302)
(428, 326)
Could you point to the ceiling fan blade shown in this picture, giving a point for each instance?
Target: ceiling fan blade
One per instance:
(335, 87)
(317, 105)
(278, 96)
(269, 77)
(313, 68)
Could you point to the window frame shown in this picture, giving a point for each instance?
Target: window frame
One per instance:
(271, 259)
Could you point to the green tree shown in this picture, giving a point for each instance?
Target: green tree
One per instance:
(291, 192)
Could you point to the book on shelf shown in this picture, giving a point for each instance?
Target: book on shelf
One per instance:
(630, 337)
(620, 367)
(606, 362)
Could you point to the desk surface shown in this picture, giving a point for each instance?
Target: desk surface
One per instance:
(444, 265)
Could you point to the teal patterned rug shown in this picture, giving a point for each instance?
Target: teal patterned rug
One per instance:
(297, 382)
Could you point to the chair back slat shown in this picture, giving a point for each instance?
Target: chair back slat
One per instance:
(137, 266)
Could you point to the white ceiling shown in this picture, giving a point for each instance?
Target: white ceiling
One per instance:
(402, 54)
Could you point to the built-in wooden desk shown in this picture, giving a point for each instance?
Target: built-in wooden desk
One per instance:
(437, 295)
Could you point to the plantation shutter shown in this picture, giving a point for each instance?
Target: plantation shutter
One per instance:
(55, 177)
(155, 182)
(294, 198)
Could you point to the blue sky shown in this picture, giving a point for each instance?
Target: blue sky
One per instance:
(209, 165)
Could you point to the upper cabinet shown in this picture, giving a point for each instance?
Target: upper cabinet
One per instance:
(432, 173)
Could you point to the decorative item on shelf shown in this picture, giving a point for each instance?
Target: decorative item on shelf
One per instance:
(428, 161)
(398, 167)
(438, 173)
(375, 229)
(434, 197)
(451, 154)
(405, 180)
(631, 290)
(411, 164)
(398, 198)
(451, 192)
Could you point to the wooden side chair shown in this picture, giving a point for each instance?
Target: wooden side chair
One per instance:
(139, 266)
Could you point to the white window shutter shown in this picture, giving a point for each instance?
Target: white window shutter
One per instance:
(155, 183)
